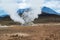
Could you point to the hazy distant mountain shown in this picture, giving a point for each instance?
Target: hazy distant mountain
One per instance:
(45, 11)
(48, 10)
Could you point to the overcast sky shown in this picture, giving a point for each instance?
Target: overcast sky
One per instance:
(53, 4)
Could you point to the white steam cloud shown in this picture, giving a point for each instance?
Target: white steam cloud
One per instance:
(36, 6)
(11, 7)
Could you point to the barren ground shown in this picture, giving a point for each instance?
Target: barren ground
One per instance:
(46, 28)
(35, 32)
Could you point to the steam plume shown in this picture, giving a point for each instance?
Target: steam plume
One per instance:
(11, 7)
(36, 6)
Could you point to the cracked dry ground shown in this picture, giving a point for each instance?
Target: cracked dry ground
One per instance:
(38, 32)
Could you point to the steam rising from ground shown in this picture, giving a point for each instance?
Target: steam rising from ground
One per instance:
(11, 7)
(36, 6)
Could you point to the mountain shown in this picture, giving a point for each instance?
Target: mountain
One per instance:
(3, 13)
(48, 10)
(45, 11)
